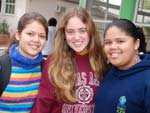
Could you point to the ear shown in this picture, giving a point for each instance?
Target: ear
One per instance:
(17, 34)
(137, 44)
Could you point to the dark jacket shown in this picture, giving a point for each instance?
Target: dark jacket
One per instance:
(125, 91)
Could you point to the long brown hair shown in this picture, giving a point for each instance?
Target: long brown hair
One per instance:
(62, 67)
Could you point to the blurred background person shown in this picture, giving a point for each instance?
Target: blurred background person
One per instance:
(52, 22)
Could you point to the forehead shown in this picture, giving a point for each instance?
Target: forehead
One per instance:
(75, 22)
(114, 29)
(116, 33)
(35, 24)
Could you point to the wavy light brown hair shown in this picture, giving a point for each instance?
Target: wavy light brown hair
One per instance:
(62, 67)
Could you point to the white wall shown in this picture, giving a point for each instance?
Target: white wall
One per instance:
(46, 7)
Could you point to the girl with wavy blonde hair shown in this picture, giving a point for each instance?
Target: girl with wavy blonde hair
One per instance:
(72, 73)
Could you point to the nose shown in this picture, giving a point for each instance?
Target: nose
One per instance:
(113, 45)
(36, 38)
(77, 36)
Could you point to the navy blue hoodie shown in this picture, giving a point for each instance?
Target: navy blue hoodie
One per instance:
(125, 91)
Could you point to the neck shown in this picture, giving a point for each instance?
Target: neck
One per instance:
(83, 52)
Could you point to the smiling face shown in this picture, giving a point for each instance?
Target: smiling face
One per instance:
(76, 34)
(120, 48)
(31, 40)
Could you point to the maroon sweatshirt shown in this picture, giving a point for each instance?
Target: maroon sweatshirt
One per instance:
(86, 86)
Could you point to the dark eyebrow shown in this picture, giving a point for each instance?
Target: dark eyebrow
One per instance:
(83, 28)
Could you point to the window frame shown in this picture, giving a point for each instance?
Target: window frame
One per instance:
(3, 7)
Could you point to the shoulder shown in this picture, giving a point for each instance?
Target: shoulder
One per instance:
(5, 62)
(4, 59)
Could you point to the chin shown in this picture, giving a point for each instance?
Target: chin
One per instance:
(115, 63)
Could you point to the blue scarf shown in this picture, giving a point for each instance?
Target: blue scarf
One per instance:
(19, 60)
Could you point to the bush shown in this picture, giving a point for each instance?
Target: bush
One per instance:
(4, 28)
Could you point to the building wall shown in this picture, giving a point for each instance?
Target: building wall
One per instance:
(46, 7)
(13, 19)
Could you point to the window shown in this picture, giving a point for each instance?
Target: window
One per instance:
(10, 7)
(143, 12)
(7, 7)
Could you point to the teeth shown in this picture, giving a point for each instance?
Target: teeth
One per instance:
(114, 55)
(34, 46)
(77, 43)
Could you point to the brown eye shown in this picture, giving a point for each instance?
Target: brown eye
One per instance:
(30, 34)
(107, 42)
(120, 41)
(42, 36)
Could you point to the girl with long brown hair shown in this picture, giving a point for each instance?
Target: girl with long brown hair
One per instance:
(73, 71)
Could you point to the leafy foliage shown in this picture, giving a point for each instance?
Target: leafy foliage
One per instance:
(4, 27)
